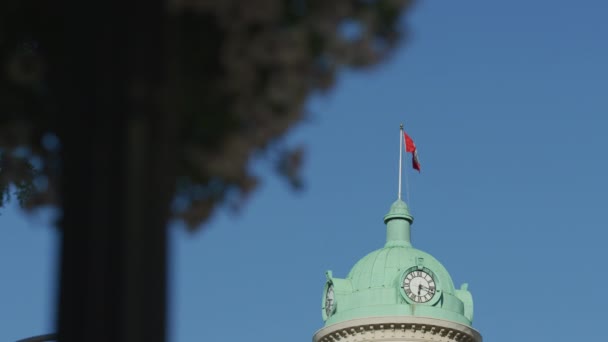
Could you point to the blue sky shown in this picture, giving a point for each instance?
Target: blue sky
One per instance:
(507, 104)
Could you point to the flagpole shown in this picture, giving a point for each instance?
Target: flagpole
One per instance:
(400, 158)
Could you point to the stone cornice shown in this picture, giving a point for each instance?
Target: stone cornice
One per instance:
(397, 328)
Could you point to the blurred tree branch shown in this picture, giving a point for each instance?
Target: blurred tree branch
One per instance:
(115, 111)
(239, 73)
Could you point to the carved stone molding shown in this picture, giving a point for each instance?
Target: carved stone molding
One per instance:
(397, 329)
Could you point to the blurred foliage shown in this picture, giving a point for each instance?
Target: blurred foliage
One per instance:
(19, 173)
(240, 73)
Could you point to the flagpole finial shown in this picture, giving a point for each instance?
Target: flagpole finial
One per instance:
(401, 126)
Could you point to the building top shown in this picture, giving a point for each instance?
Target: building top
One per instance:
(396, 280)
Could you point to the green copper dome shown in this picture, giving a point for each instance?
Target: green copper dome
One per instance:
(396, 280)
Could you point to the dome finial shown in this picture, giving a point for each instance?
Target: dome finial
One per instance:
(398, 221)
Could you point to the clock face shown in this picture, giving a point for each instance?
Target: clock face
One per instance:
(329, 300)
(419, 286)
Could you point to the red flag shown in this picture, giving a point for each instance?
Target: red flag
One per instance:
(409, 143)
(411, 147)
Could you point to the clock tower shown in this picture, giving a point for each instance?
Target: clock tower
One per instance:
(396, 293)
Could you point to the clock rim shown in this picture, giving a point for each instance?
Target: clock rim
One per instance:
(433, 299)
(325, 290)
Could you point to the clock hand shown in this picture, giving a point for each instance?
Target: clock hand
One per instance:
(419, 288)
(427, 288)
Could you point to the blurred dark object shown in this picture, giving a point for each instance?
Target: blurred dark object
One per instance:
(117, 110)
(41, 338)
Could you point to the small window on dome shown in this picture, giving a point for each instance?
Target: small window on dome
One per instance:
(419, 262)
